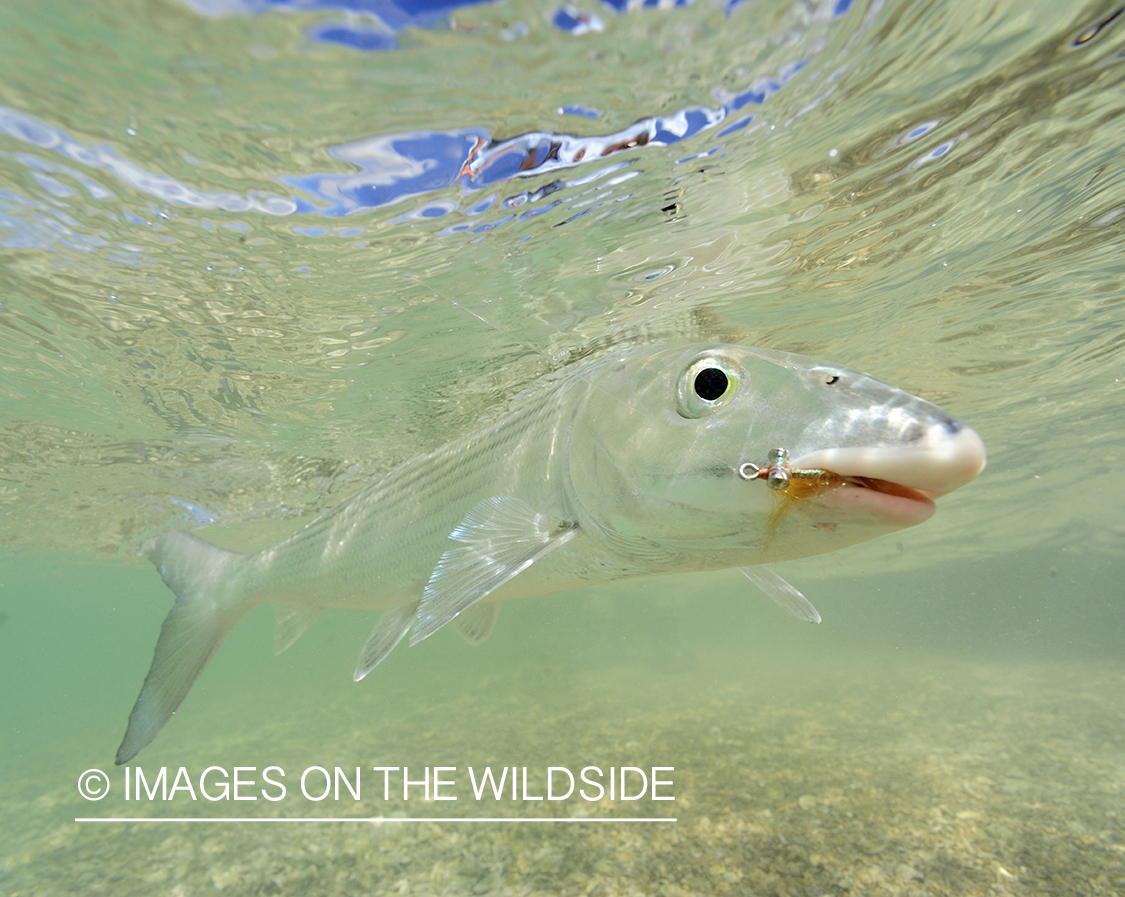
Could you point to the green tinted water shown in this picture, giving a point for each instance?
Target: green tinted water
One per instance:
(936, 197)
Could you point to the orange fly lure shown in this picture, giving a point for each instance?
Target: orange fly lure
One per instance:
(789, 485)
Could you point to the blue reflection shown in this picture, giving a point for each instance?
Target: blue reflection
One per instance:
(575, 21)
(385, 17)
(737, 126)
(26, 128)
(352, 36)
(395, 14)
(28, 224)
(627, 5)
(490, 225)
(757, 93)
(392, 16)
(920, 130)
(389, 169)
(201, 515)
(482, 205)
(580, 109)
(392, 168)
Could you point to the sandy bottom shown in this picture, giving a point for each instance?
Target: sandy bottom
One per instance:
(885, 778)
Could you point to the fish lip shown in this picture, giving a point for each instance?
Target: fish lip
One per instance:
(888, 487)
(945, 460)
(882, 499)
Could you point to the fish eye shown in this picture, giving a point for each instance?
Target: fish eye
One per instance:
(831, 379)
(706, 385)
(710, 384)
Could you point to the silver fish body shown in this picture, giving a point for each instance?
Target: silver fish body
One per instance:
(624, 465)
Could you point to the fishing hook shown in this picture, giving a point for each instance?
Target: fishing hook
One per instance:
(778, 474)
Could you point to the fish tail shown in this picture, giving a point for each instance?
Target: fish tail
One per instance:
(204, 613)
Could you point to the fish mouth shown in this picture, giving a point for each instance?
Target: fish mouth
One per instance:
(898, 484)
(884, 500)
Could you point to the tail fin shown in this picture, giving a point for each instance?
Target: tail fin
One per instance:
(204, 613)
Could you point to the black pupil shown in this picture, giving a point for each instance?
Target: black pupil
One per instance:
(710, 383)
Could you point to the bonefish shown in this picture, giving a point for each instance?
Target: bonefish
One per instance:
(662, 458)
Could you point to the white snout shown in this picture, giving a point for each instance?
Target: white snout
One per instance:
(936, 464)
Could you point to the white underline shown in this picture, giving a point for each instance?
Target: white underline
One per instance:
(375, 819)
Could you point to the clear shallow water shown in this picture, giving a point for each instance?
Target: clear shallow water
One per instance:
(247, 267)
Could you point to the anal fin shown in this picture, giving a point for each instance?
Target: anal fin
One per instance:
(476, 624)
(388, 632)
(291, 625)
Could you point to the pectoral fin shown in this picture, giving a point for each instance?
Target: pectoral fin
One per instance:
(476, 624)
(388, 632)
(787, 597)
(498, 539)
(291, 625)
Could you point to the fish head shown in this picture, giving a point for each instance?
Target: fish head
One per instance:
(662, 432)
